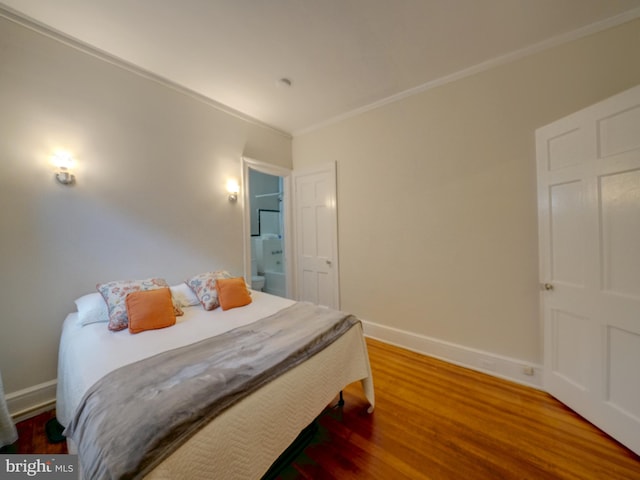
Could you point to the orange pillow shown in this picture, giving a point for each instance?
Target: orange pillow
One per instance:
(150, 309)
(232, 293)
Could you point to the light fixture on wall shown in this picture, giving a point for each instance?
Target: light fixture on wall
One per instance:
(63, 161)
(233, 188)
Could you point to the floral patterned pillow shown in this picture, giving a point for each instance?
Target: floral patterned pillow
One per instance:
(115, 294)
(204, 286)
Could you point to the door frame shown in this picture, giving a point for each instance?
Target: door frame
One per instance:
(289, 246)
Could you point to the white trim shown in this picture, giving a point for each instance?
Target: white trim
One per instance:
(34, 25)
(481, 67)
(31, 401)
(499, 366)
(285, 173)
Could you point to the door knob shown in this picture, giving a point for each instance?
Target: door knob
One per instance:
(548, 286)
(328, 262)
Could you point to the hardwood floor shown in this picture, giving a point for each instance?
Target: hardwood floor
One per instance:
(33, 439)
(434, 420)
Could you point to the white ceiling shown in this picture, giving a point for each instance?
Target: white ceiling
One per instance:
(341, 55)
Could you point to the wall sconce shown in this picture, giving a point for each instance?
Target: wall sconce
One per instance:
(233, 188)
(63, 161)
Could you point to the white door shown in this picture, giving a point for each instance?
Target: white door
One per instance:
(589, 224)
(316, 232)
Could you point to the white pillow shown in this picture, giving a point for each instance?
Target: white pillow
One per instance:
(92, 309)
(184, 295)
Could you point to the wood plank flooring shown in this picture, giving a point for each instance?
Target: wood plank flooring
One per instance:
(33, 439)
(434, 420)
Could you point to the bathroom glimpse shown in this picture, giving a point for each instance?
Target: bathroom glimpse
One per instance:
(267, 246)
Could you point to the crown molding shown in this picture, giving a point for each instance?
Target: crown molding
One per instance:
(38, 27)
(61, 37)
(481, 67)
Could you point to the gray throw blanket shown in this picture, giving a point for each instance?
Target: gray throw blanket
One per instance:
(137, 415)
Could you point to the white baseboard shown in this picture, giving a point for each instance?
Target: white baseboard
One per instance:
(497, 365)
(31, 401)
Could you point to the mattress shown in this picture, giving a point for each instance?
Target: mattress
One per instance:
(245, 439)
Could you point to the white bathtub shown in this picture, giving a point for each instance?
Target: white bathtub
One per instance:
(275, 283)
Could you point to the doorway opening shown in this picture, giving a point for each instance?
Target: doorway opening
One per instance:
(267, 245)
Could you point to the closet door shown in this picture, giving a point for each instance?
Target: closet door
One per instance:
(589, 226)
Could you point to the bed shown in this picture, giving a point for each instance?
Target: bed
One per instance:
(243, 440)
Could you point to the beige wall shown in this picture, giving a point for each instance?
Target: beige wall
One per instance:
(437, 194)
(150, 198)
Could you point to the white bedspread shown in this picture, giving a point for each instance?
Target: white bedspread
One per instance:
(89, 352)
(244, 440)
